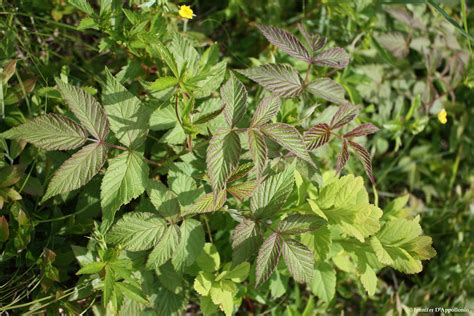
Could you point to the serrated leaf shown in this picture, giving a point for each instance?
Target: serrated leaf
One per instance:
(234, 97)
(281, 80)
(77, 170)
(299, 260)
(400, 244)
(327, 89)
(132, 292)
(49, 132)
(92, 267)
(165, 248)
(362, 130)
(324, 281)
(345, 114)
(268, 257)
(369, 280)
(317, 136)
(86, 108)
(319, 242)
(82, 5)
(288, 137)
(395, 43)
(239, 273)
(300, 223)
(266, 110)
(190, 244)
(332, 57)
(137, 231)
(209, 202)
(209, 259)
(343, 157)
(272, 193)
(203, 283)
(222, 159)
(364, 156)
(128, 118)
(315, 41)
(242, 191)
(241, 171)
(286, 41)
(258, 150)
(124, 180)
(245, 241)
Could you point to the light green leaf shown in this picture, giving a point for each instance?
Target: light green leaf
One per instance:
(268, 257)
(50, 132)
(369, 280)
(124, 180)
(272, 193)
(327, 89)
(203, 283)
(207, 306)
(324, 281)
(166, 248)
(77, 170)
(207, 81)
(281, 80)
(239, 273)
(224, 298)
(82, 5)
(319, 242)
(190, 244)
(300, 223)
(91, 268)
(86, 108)
(209, 260)
(127, 116)
(299, 260)
(222, 158)
(234, 97)
(137, 231)
(288, 137)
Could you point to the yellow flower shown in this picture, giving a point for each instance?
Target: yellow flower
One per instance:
(186, 12)
(443, 116)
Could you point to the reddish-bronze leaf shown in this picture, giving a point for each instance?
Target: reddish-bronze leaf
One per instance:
(343, 157)
(345, 114)
(317, 136)
(364, 156)
(362, 130)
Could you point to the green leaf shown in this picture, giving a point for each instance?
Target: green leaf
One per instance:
(77, 170)
(4, 230)
(369, 280)
(327, 89)
(224, 298)
(207, 306)
(127, 116)
(266, 110)
(137, 231)
(207, 81)
(245, 241)
(239, 273)
(124, 180)
(299, 260)
(165, 248)
(163, 199)
(86, 108)
(317, 136)
(258, 150)
(203, 283)
(400, 244)
(319, 242)
(91, 268)
(209, 260)
(281, 80)
(234, 97)
(268, 257)
(286, 41)
(299, 223)
(324, 281)
(82, 5)
(206, 203)
(288, 137)
(132, 292)
(272, 193)
(222, 158)
(50, 132)
(190, 244)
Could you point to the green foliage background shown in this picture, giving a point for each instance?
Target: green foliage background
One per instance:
(106, 246)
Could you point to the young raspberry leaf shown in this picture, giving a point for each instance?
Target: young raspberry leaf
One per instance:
(362, 130)
(344, 115)
(364, 156)
(333, 57)
(266, 110)
(281, 80)
(286, 41)
(234, 97)
(327, 89)
(317, 136)
(268, 257)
